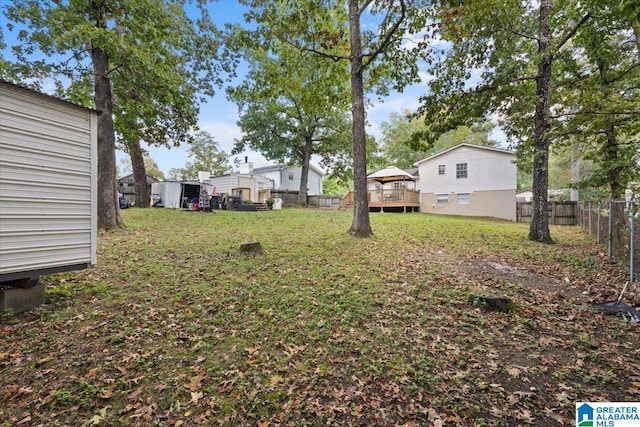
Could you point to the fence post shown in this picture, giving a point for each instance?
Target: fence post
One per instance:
(578, 214)
(632, 244)
(598, 220)
(590, 232)
(610, 249)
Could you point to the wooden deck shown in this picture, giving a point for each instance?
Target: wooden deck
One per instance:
(395, 199)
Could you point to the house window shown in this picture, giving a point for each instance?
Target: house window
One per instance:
(397, 185)
(461, 170)
(463, 198)
(290, 176)
(442, 199)
(441, 169)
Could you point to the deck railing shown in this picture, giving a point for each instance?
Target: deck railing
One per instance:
(396, 196)
(384, 197)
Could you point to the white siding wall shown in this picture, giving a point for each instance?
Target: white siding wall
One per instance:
(48, 183)
(488, 190)
(225, 184)
(314, 184)
(488, 170)
(291, 184)
(280, 179)
(274, 178)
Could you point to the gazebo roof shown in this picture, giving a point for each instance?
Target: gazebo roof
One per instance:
(390, 174)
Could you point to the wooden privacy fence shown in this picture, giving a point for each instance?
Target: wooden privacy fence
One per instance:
(560, 213)
(614, 224)
(324, 202)
(290, 198)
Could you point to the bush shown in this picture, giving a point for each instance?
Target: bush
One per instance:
(270, 203)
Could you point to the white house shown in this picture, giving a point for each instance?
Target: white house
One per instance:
(286, 177)
(469, 180)
(246, 183)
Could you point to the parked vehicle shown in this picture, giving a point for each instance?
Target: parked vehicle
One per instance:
(124, 203)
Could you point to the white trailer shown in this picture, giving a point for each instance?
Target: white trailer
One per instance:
(48, 185)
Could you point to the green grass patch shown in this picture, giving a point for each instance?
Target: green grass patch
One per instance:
(174, 326)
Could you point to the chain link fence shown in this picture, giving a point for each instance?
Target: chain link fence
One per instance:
(614, 224)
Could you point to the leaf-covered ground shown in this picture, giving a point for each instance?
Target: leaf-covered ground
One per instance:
(175, 327)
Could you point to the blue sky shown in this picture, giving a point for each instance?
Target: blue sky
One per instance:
(218, 116)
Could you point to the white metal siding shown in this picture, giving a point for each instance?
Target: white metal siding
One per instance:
(48, 182)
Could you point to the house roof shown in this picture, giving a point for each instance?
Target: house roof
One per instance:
(390, 174)
(44, 95)
(465, 144)
(282, 166)
(150, 179)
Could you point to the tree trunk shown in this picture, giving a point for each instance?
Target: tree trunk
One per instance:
(539, 228)
(615, 170)
(108, 207)
(361, 226)
(575, 171)
(636, 38)
(304, 174)
(139, 175)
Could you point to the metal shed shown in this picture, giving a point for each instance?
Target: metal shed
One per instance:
(48, 184)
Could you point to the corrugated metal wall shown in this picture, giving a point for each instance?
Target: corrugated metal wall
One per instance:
(47, 182)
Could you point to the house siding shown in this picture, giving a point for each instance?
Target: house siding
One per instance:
(490, 182)
(498, 204)
(48, 183)
(225, 184)
(279, 177)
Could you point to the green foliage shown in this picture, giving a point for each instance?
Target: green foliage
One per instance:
(334, 186)
(396, 146)
(150, 166)
(204, 150)
(599, 87)
(292, 104)
(145, 62)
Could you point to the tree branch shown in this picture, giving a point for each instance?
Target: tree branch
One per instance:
(597, 113)
(523, 35)
(572, 32)
(624, 73)
(387, 38)
(364, 7)
(334, 58)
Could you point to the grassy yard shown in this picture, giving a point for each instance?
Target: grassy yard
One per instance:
(175, 327)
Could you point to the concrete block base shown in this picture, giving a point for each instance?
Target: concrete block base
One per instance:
(21, 299)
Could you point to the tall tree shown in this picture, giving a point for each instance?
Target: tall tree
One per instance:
(389, 62)
(292, 104)
(377, 58)
(599, 89)
(150, 166)
(144, 60)
(398, 131)
(501, 62)
(203, 148)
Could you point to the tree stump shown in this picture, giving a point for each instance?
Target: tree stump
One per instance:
(492, 302)
(251, 248)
